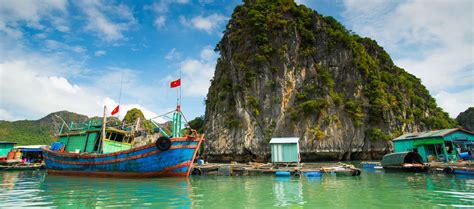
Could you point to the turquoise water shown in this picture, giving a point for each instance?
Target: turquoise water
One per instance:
(373, 189)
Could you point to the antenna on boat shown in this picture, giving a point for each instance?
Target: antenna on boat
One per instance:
(120, 95)
(62, 126)
(64, 122)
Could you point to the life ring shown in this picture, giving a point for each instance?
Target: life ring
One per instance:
(163, 143)
(196, 172)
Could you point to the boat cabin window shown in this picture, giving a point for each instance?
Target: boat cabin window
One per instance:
(128, 139)
(97, 142)
(112, 136)
(118, 137)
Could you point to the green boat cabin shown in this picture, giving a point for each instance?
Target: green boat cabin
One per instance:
(87, 137)
(439, 145)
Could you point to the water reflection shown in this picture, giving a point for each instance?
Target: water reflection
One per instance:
(288, 191)
(374, 189)
(8, 180)
(20, 189)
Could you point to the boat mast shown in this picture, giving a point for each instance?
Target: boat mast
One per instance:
(176, 129)
(104, 121)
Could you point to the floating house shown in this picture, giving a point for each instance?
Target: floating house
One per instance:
(31, 153)
(5, 148)
(439, 145)
(285, 150)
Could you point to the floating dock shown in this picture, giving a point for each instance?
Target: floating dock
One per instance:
(21, 166)
(462, 168)
(259, 169)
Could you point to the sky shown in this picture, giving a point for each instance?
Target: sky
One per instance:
(75, 55)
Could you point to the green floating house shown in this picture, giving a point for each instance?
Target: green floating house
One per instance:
(5, 148)
(438, 145)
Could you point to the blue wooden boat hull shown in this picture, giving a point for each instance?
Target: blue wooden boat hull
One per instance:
(144, 161)
(463, 172)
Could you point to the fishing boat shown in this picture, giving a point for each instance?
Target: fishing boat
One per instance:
(93, 148)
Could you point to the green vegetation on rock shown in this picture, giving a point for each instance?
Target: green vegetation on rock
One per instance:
(466, 119)
(132, 116)
(37, 132)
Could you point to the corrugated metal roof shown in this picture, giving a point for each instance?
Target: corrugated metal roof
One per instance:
(427, 134)
(284, 140)
(30, 147)
(2, 142)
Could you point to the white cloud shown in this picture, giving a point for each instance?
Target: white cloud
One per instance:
(100, 53)
(24, 88)
(107, 20)
(431, 39)
(173, 54)
(198, 73)
(124, 108)
(35, 83)
(5, 115)
(205, 1)
(457, 102)
(160, 22)
(302, 2)
(31, 12)
(208, 24)
(54, 45)
(208, 54)
(162, 6)
(160, 9)
(33, 93)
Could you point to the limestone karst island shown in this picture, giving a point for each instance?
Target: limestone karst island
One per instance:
(237, 104)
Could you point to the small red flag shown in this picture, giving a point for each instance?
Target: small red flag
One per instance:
(116, 110)
(175, 83)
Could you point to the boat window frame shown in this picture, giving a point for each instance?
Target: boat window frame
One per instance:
(119, 136)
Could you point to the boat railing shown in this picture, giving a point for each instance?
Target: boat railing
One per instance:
(86, 125)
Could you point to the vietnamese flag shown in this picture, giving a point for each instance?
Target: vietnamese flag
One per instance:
(175, 83)
(116, 110)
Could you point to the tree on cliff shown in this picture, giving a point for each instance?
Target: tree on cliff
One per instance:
(132, 116)
(197, 124)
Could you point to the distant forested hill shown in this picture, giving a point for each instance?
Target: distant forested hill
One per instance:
(41, 131)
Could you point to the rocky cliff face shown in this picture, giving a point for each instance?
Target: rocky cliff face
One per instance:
(286, 70)
(466, 119)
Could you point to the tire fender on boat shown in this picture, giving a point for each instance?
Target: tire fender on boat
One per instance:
(355, 172)
(163, 143)
(448, 170)
(297, 174)
(196, 172)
